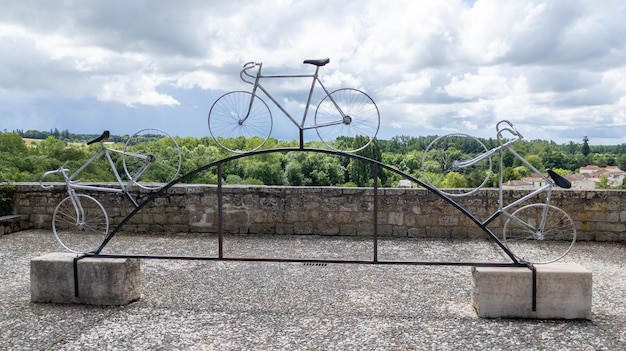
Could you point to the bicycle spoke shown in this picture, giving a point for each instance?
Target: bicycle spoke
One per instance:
(343, 116)
(82, 233)
(524, 236)
(458, 162)
(236, 125)
(151, 158)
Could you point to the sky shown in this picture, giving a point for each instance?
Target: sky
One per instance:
(555, 69)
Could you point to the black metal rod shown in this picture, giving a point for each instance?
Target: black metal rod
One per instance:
(75, 268)
(375, 175)
(534, 271)
(314, 260)
(220, 213)
(374, 163)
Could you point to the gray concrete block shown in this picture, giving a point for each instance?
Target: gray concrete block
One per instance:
(563, 292)
(101, 281)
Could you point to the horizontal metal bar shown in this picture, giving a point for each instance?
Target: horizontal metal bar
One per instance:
(314, 260)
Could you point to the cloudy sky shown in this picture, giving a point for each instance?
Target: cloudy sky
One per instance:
(556, 69)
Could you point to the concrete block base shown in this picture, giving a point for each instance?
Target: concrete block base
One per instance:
(101, 281)
(563, 292)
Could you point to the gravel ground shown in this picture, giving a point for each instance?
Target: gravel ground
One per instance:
(209, 305)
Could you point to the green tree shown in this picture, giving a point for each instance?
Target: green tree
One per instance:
(508, 173)
(51, 147)
(12, 143)
(603, 183)
(321, 169)
(520, 172)
(535, 160)
(411, 162)
(585, 149)
(454, 180)
(293, 173)
(571, 148)
(265, 168)
(361, 173)
(620, 161)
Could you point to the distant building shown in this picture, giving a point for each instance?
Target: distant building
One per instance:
(581, 181)
(589, 169)
(586, 179)
(614, 175)
(405, 183)
(518, 185)
(535, 181)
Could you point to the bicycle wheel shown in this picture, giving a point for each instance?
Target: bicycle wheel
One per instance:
(151, 158)
(238, 127)
(80, 223)
(526, 239)
(347, 120)
(451, 164)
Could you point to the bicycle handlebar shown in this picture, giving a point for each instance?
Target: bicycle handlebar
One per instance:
(248, 66)
(59, 170)
(508, 128)
(103, 136)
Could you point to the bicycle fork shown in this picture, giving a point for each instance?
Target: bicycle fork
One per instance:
(79, 210)
(254, 89)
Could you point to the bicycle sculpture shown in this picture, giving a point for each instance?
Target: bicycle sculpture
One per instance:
(340, 115)
(526, 227)
(80, 222)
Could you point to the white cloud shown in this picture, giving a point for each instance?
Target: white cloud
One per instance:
(431, 66)
(410, 85)
(487, 83)
(135, 90)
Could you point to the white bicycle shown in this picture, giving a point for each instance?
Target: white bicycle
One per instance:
(80, 222)
(237, 117)
(536, 232)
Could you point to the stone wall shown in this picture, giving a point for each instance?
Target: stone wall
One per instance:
(599, 215)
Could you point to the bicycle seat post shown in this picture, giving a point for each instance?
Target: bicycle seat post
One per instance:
(318, 64)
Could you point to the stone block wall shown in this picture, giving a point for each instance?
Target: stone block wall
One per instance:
(599, 215)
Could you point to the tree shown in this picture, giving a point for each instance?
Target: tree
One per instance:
(603, 183)
(454, 180)
(620, 161)
(266, 168)
(535, 160)
(361, 172)
(318, 169)
(571, 148)
(585, 149)
(51, 147)
(12, 143)
(293, 173)
(521, 172)
(20, 161)
(411, 162)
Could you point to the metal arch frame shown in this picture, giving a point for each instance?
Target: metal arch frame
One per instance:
(376, 167)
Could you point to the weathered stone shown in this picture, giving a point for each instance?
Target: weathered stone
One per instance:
(598, 215)
(564, 291)
(101, 281)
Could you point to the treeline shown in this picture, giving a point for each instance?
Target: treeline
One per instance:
(400, 144)
(63, 135)
(20, 162)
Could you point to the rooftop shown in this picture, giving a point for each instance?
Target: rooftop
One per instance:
(207, 305)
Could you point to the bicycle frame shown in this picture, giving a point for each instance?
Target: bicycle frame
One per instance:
(72, 183)
(315, 80)
(507, 146)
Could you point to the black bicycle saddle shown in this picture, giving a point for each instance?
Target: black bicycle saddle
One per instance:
(104, 135)
(318, 62)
